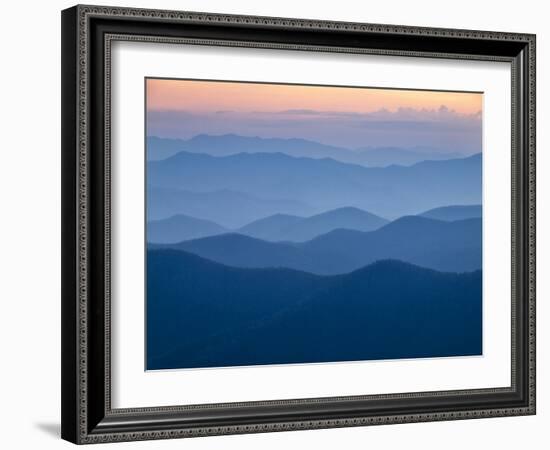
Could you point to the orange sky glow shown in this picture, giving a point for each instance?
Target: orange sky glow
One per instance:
(206, 96)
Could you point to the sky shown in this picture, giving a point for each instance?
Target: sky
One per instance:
(348, 117)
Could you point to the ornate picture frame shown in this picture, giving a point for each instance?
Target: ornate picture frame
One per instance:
(88, 415)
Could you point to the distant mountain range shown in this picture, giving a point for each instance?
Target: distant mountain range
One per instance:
(204, 314)
(440, 245)
(278, 227)
(444, 246)
(298, 229)
(454, 212)
(180, 227)
(276, 251)
(229, 209)
(387, 156)
(306, 186)
(231, 144)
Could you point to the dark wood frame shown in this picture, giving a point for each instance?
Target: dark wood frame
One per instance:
(87, 32)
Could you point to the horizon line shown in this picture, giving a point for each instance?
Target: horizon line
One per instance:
(275, 138)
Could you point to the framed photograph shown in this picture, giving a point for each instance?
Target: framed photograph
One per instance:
(278, 224)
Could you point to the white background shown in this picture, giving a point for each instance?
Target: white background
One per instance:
(132, 387)
(30, 256)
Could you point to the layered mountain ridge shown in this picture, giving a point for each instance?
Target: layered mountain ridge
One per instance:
(205, 314)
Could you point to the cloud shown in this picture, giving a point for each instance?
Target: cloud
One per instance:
(443, 113)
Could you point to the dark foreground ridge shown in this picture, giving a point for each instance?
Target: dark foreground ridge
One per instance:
(205, 314)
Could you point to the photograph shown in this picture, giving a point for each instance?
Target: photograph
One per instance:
(299, 224)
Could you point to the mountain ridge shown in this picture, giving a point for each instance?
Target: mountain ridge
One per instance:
(228, 208)
(159, 148)
(255, 318)
(299, 229)
(322, 183)
(292, 228)
(445, 246)
(454, 212)
(181, 227)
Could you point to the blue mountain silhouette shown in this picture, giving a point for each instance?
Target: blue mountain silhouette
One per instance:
(387, 156)
(297, 229)
(230, 144)
(278, 227)
(238, 250)
(445, 246)
(454, 212)
(180, 228)
(323, 184)
(227, 208)
(272, 227)
(204, 314)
